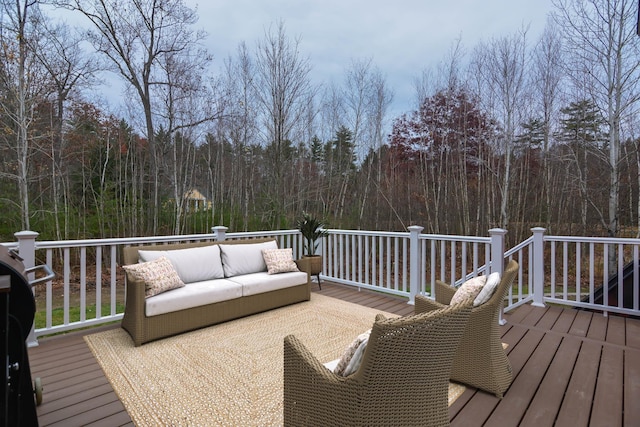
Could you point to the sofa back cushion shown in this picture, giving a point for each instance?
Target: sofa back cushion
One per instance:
(192, 264)
(245, 258)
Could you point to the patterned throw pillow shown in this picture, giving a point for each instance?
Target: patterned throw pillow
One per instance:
(469, 289)
(493, 280)
(158, 275)
(356, 346)
(279, 260)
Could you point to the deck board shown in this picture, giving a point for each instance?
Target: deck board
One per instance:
(608, 398)
(571, 367)
(576, 408)
(545, 405)
(521, 393)
(616, 331)
(631, 387)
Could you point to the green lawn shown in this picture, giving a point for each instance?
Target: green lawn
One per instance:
(57, 316)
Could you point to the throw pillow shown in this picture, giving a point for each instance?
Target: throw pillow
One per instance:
(350, 352)
(356, 360)
(469, 290)
(493, 280)
(279, 260)
(158, 275)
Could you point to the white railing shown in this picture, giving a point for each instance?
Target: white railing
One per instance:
(89, 289)
(407, 263)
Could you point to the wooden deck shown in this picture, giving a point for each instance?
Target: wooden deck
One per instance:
(571, 368)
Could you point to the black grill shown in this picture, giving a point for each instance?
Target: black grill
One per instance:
(18, 406)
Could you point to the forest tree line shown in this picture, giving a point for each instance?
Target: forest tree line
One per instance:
(512, 132)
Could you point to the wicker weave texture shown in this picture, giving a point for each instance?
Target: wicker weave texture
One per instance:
(480, 361)
(403, 379)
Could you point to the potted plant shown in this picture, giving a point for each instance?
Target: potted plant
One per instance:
(312, 230)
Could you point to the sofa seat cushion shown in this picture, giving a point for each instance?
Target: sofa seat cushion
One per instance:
(258, 283)
(192, 295)
(192, 264)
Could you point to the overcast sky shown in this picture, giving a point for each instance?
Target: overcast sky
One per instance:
(401, 37)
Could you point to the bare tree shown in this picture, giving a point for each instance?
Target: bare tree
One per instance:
(23, 84)
(502, 65)
(379, 99)
(547, 78)
(135, 36)
(238, 126)
(601, 43)
(70, 69)
(185, 101)
(282, 86)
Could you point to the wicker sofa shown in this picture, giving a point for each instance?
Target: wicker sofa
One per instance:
(241, 288)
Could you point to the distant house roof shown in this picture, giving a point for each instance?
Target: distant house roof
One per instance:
(194, 194)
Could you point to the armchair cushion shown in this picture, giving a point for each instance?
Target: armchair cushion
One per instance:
(279, 260)
(345, 366)
(469, 290)
(158, 275)
(488, 289)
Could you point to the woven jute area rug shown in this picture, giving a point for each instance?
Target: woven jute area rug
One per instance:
(228, 374)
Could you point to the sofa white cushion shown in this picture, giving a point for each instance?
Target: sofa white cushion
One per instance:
(257, 283)
(193, 295)
(192, 264)
(244, 258)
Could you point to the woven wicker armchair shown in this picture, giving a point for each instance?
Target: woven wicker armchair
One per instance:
(480, 361)
(402, 381)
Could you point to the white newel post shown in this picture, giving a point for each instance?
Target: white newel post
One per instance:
(220, 232)
(415, 273)
(497, 258)
(538, 266)
(27, 251)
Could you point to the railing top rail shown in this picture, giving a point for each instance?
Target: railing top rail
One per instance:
(602, 240)
(262, 233)
(120, 241)
(446, 237)
(519, 247)
(455, 238)
(369, 233)
(51, 244)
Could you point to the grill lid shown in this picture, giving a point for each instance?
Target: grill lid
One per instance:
(22, 304)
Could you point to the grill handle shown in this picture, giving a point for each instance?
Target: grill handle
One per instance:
(49, 274)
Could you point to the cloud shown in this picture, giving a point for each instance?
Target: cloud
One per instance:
(402, 38)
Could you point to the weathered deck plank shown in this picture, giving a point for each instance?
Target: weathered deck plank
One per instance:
(570, 367)
(608, 398)
(545, 405)
(576, 408)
